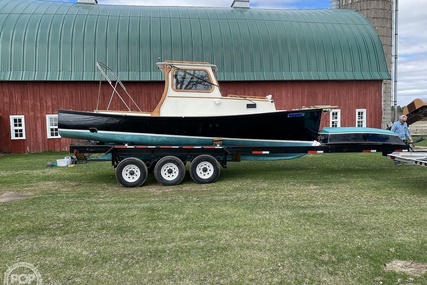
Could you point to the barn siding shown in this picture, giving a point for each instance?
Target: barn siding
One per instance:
(347, 95)
(37, 99)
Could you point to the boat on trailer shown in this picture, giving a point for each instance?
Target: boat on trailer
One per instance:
(193, 122)
(192, 111)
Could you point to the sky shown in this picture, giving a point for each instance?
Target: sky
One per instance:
(412, 35)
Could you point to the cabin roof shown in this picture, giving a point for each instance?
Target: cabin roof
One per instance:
(185, 64)
(56, 40)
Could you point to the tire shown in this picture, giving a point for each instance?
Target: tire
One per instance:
(169, 171)
(204, 169)
(131, 172)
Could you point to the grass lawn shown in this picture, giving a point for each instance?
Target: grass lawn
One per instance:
(320, 219)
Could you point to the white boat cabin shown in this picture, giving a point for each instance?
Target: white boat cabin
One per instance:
(191, 89)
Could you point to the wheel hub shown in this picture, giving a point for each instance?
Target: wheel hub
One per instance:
(169, 171)
(131, 173)
(205, 169)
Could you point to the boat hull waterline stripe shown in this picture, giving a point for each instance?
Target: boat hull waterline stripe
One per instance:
(174, 140)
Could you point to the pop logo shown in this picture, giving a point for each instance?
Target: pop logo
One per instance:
(22, 273)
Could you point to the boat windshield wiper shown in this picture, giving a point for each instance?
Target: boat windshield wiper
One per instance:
(193, 75)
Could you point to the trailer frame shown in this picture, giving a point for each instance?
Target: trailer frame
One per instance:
(411, 157)
(133, 162)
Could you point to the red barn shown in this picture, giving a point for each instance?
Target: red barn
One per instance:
(48, 52)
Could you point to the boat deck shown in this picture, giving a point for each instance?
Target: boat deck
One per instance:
(124, 113)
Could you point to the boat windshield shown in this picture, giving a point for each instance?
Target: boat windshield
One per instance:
(188, 79)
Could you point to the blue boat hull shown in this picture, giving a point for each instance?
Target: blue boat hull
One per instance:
(171, 140)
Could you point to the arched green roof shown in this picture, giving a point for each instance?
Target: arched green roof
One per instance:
(48, 40)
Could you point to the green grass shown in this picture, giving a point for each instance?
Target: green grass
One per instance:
(321, 219)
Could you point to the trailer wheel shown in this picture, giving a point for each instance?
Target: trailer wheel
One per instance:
(169, 171)
(131, 172)
(204, 169)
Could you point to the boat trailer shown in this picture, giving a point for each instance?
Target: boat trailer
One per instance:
(132, 163)
(411, 157)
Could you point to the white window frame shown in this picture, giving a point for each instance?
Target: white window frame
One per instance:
(52, 128)
(14, 129)
(337, 120)
(361, 121)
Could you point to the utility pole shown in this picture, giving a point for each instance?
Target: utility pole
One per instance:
(396, 16)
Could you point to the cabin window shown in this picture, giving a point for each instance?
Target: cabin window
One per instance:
(187, 79)
(52, 126)
(335, 118)
(17, 127)
(361, 118)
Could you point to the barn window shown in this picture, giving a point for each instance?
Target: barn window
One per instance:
(335, 118)
(192, 80)
(52, 126)
(17, 127)
(361, 118)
